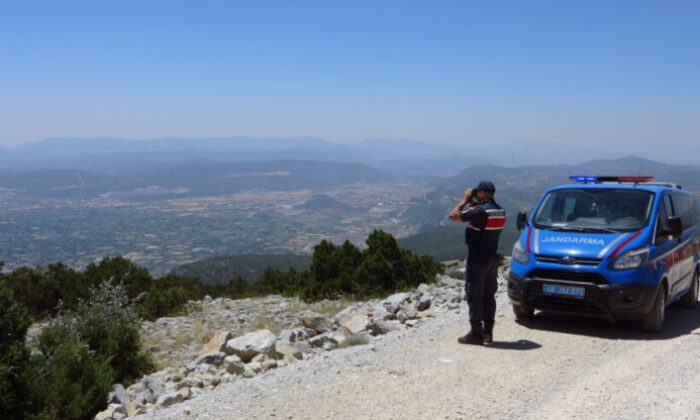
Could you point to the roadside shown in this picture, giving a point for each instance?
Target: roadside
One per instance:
(547, 367)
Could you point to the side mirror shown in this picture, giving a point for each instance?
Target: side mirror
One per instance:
(521, 222)
(675, 226)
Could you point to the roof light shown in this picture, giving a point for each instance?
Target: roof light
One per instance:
(586, 179)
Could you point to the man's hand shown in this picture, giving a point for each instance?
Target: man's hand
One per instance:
(466, 199)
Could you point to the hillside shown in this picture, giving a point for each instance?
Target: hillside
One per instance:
(219, 270)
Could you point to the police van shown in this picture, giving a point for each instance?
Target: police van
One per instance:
(614, 247)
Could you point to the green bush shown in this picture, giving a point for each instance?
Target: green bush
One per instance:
(14, 356)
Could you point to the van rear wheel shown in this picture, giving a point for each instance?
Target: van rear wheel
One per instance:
(654, 322)
(691, 297)
(521, 311)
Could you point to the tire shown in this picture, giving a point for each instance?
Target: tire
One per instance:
(689, 299)
(521, 311)
(654, 322)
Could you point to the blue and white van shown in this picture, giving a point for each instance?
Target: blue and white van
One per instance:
(615, 247)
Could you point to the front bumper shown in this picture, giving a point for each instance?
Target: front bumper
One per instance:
(622, 301)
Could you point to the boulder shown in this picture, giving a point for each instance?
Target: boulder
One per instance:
(446, 281)
(316, 323)
(216, 344)
(212, 358)
(234, 365)
(172, 398)
(381, 314)
(356, 324)
(250, 345)
(283, 349)
(393, 303)
(382, 327)
(113, 412)
(119, 395)
(424, 302)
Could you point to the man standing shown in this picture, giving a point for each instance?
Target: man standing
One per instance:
(485, 220)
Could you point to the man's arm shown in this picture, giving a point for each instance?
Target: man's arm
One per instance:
(456, 213)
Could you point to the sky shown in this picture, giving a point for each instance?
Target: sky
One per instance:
(615, 75)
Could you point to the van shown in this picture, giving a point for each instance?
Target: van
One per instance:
(613, 247)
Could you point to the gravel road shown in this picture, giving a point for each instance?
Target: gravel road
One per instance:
(548, 367)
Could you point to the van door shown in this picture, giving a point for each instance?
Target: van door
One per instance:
(664, 245)
(683, 206)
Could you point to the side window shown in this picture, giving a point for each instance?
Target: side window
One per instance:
(684, 208)
(665, 211)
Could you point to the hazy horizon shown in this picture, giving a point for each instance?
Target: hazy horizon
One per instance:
(615, 77)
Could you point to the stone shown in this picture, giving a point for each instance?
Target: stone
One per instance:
(269, 364)
(250, 345)
(113, 411)
(381, 314)
(393, 303)
(381, 327)
(356, 324)
(234, 365)
(446, 281)
(119, 395)
(283, 349)
(212, 358)
(424, 302)
(316, 323)
(216, 344)
(287, 336)
(171, 398)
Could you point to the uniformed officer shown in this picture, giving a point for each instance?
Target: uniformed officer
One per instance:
(485, 220)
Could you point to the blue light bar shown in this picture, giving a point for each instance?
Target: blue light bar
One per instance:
(584, 179)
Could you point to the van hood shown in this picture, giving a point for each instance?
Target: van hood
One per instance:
(578, 244)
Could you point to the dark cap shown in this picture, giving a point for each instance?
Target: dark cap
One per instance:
(486, 186)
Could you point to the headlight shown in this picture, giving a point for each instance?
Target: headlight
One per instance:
(631, 259)
(519, 254)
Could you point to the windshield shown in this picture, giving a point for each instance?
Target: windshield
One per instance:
(594, 210)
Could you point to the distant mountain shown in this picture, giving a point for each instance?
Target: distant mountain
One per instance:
(218, 270)
(411, 157)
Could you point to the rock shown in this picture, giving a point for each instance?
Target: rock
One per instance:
(248, 372)
(287, 336)
(212, 359)
(258, 359)
(234, 365)
(172, 398)
(381, 314)
(423, 288)
(316, 323)
(446, 281)
(256, 367)
(381, 327)
(409, 312)
(207, 299)
(424, 302)
(250, 345)
(118, 395)
(216, 344)
(356, 324)
(113, 411)
(269, 364)
(283, 349)
(393, 303)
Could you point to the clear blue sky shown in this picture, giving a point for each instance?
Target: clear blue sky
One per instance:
(453, 71)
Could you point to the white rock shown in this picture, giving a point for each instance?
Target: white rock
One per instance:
(394, 302)
(250, 345)
(356, 324)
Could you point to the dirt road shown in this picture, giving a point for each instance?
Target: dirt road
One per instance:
(548, 367)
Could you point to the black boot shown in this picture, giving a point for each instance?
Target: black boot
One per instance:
(488, 334)
(473, 337)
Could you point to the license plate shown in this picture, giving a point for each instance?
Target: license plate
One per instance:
(559, 290)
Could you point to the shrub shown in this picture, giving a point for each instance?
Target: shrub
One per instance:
(14, 356)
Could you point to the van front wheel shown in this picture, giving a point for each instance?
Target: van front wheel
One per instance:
(654, 322)
(691, 297)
